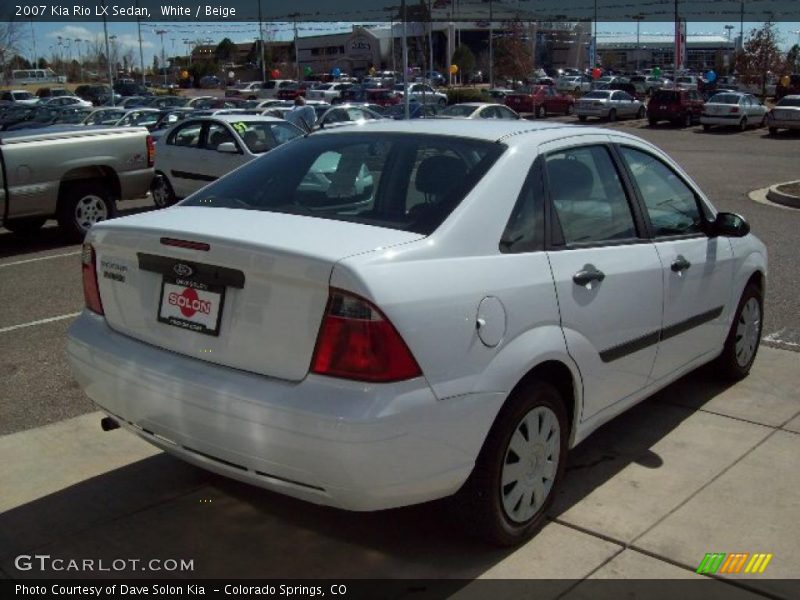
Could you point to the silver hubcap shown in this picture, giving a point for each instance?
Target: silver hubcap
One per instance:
(530, 464)
(90, 210)
(748, 330)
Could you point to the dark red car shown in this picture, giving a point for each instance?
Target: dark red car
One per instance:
(679, 107)
(540, 100)
(290, 92)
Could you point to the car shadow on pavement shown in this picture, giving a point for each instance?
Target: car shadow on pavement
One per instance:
(48, 237)
(163, 507)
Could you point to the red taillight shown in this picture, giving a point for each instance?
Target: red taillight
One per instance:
(91, 291)
(151, 151)
(356, 341)
(734, 109)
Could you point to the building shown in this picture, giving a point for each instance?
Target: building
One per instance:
(247, 52)
(703, 52)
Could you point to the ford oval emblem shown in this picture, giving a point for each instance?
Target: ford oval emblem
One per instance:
(183, 270)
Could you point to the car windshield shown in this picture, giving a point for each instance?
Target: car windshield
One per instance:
(403, 181)
(261, 136)
(597, 95)
(145, 118)
(105, 117)
(23, 96)
(725, 99)
(458, 110)
(789, 101)
(665, 96)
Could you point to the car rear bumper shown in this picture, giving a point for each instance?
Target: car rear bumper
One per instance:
(720, 119)
(784, 123)
(341, 443)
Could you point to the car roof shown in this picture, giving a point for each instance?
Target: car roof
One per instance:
(490, 130)
(240, 117)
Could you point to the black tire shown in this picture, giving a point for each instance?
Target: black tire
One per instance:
(652, 122)
(570, 109)
(74, 223)
(773, 131)
(706, 127)
(162, 192)
(581, 117)
(687, 119)
(26, 226)
(743, 124)
(612, 115)
(540, 112)
(442, 103)
(480, 499)
(728, 364)
(641, 114)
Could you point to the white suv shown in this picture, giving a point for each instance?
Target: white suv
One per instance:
(376, 316)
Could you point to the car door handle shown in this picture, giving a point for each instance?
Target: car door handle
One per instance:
(680, 264)
(588, 274)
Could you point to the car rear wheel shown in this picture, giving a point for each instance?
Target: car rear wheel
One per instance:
(641, 113)
(741, 345)
(83, 204)
(687, 119)
(612, 114)
(743, 124)
(162, 192)
(25, 226)
(520, 465)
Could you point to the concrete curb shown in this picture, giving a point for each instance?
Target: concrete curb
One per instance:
(783, 198)
(761, 197)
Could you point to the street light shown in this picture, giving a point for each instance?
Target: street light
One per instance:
(638, 19)
(161, 33)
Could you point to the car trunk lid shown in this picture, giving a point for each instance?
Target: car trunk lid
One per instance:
(241, 288)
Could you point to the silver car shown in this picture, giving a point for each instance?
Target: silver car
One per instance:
(785, 115)
(733, 109)
(609, 104)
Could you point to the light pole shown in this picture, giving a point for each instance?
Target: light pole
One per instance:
(108, 60)
(161, 32)
(491, 46)
(638, 19)
(261, 45)
(141, 52)
(80, 60)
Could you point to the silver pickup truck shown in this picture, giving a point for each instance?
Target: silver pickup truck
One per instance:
(73, 173)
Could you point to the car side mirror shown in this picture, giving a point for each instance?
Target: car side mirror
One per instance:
(730, 225)
(227, 148)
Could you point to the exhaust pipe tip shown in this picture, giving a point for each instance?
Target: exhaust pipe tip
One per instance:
(109, 424)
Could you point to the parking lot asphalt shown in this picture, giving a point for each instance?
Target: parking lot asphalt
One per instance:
(698, 468)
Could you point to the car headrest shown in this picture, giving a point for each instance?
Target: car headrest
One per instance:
(437, 175)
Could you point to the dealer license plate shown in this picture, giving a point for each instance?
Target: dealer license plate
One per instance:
(191, 305)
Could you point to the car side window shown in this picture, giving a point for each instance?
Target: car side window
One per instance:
(588, 197)
(217, 134)
(671, 205)
(524, 231)
(187, 136)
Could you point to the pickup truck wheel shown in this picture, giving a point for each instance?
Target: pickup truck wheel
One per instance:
(161, 190)
(82, 205)
(25, 226)
(541, 112)
(519, 467)
(741, 345)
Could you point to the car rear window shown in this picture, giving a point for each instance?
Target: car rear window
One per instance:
(596, 94)
(410, 182)
(725, 99)
(665, 96)
(789, 101)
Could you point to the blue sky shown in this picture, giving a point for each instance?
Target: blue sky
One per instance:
(46, 34)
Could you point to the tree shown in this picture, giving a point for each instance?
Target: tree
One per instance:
(793, 59)
(760, 57)
(465, 59)
(512, 55)
(225, 51)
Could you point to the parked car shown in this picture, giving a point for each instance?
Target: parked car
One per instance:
(271, 88)
(273, 327)
(435, 78)
(653, 83)
(687, 82)
(200, 150)
(162, 102)
(97, 94)
(328, 92)
(478, 110)
(131, 88)
(47, 92)
(540, 100)
(422, 93)
(73, 174)
(416, 110)
(679, 107)
(574, 83)
(785, 114)
(133, 101)
(609, 104)
(19, 97)
(626, 87)
(248, 91)
(346, 114)
(733, 109)
(62, 101)
(17, 114)
(210, 82)
(499, 94)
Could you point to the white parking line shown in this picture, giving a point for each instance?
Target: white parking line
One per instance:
(783, 337)
(39, 322)
(30, 260)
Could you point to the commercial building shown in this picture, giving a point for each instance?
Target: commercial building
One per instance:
(703, 52)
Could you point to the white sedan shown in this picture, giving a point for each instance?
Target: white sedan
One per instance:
(376, 318)
(733, 109)
(203, 149)
(478, 110)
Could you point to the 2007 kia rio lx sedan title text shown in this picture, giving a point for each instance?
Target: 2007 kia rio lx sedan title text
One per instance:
(391, 313)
